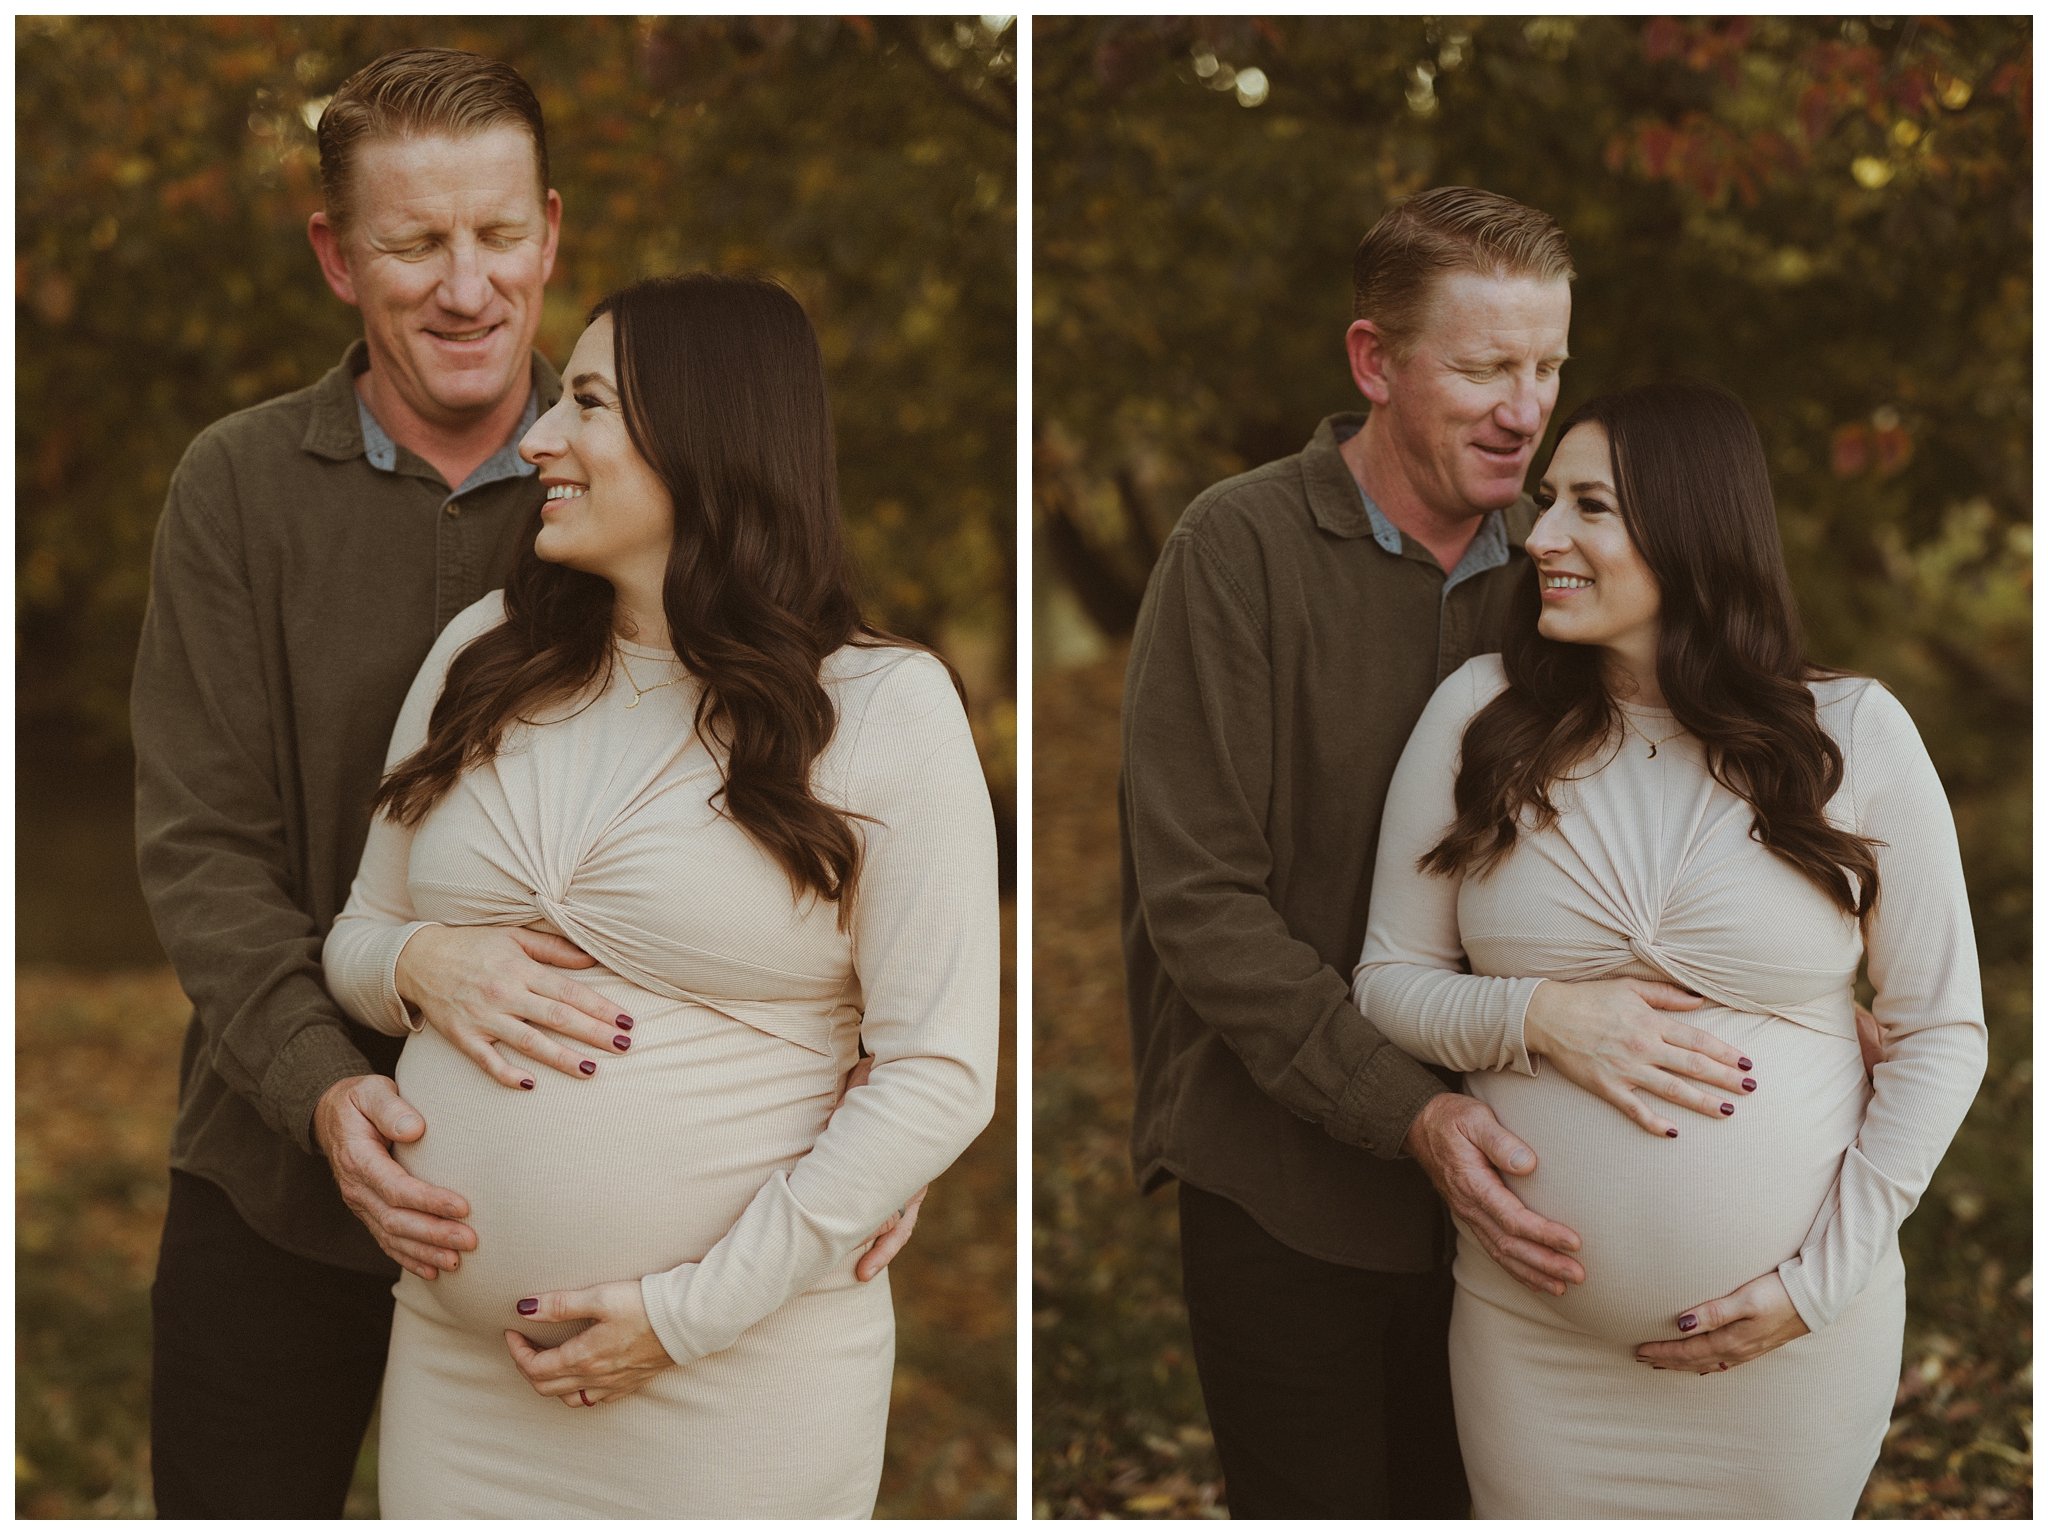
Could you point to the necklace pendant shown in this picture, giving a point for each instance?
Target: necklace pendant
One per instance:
(1653, 748)
(634, 703)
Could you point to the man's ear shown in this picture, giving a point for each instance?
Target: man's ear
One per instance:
(1371, 360)
(551, 211)
(327, 248)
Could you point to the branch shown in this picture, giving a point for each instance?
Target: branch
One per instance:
(903, 31)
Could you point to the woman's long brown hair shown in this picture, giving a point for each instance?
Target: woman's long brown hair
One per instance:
(723, 391)
(1695, 495)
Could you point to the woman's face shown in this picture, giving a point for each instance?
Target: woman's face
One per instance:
(607, 512)
(1596, 588)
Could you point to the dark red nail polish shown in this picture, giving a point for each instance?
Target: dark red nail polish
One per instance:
(1688, 1322)
(1724, 1366)
(619, 1041)
(1672, 1133)
(527, 1083)
(623, 1021)
(528, 1306)
(1749, 1084)
(588, 1068)
(1727, 1108)
(1745, 1063)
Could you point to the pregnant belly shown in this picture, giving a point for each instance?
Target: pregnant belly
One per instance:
(632, 1171)
(1667, 1224)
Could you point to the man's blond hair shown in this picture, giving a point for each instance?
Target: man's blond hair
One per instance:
(1448, 229)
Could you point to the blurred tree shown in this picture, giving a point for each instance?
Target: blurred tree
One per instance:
(1832, 218)
(165, 169)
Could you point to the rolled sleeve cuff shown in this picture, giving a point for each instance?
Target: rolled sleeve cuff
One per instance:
(1518, 1025)
(666, 1295)
(398, 1018)
(1793, 1272)
(317, 1056)
(1381, 1101)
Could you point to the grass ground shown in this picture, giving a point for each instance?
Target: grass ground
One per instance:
(96, 1059)
(1118, 1428)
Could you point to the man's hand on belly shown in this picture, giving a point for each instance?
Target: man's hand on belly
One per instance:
(613, 1358)
(1730, 1331)
(417, 1224)
(483, 988)
(1460, 1145)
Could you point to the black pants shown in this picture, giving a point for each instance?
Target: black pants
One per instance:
(264, 1368)
(1328, 1387)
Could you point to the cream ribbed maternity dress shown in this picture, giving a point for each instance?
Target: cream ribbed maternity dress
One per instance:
(713, 1161)
(1650, 871)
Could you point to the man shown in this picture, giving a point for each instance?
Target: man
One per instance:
(310, 551)
(1297, 622)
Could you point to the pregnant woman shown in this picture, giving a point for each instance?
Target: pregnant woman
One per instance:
(673, 741)
(1663, 845)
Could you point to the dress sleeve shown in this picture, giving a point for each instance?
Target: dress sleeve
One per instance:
(361, 954)
(1411, 979)
(926, 949)
(1197, 781)
(1922, 955)
(211, 840)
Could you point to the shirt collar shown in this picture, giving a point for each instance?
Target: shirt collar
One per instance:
(340, 427)
(1487, 551)
(1339, 513)
(504, 464)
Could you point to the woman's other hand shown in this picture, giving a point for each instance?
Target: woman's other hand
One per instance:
(893, 1235)
(613, 1358)
(1616, 1038)
(485, 987)
(1869, 1040)
(1730, 1331)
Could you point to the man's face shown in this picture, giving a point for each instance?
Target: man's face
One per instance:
(449, 248)
(1468, 404)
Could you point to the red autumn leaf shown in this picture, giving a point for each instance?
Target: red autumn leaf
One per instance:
(1663, 38)
(1894, 446)
(1849, 450)
(1656, 142)
(1913, 92)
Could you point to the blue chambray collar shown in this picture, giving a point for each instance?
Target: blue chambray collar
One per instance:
(1487, 551)
(504, 464)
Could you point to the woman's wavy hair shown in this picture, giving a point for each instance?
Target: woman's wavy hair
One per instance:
(723, 391)
(1695, 496)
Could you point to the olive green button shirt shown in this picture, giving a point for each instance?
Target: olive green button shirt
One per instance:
(295, 588)
(1281, 658)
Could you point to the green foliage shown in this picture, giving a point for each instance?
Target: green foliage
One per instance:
(1831, 218)
(166, 168)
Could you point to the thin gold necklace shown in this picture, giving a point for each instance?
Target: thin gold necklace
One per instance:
(639, 692)
(1632, 725)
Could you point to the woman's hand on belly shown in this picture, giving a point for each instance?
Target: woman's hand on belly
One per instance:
(486, 987)
(612, 1358)
(1730, 1331)
(1616, 1037)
